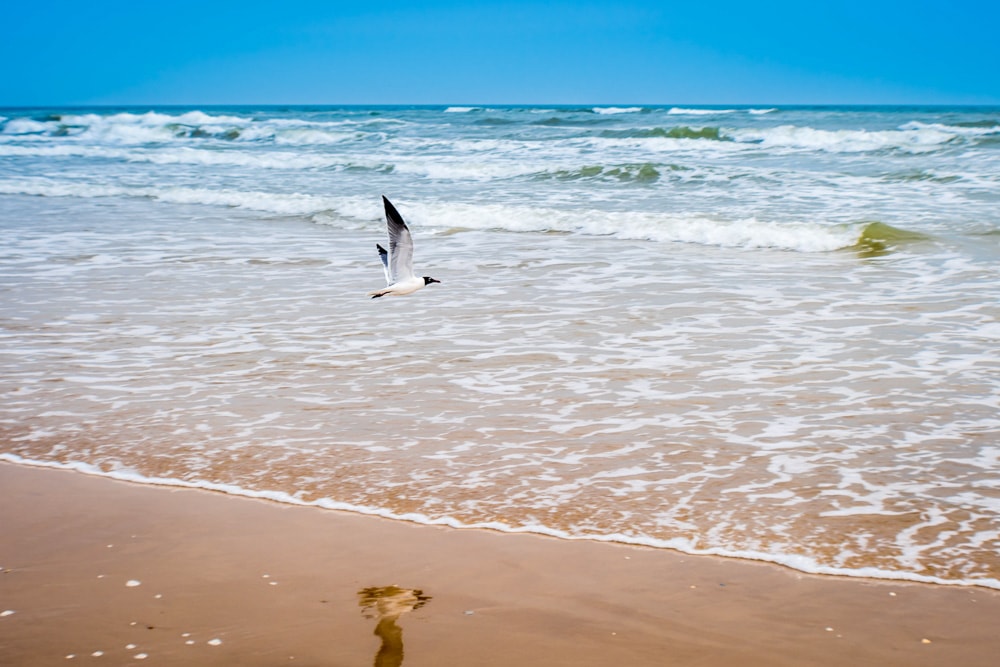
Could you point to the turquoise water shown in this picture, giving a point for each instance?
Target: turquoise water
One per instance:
(760, 332)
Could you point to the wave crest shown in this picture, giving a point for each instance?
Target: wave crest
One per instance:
(680, 111)
(645, 172)
(611, 111)
(679, 132)
(912, 137)
(159, 128)
(878, 238)
(748, 233)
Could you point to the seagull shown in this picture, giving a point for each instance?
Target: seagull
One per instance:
(397, 262)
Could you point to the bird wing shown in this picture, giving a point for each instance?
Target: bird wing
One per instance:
(384, 256)
(400, 244)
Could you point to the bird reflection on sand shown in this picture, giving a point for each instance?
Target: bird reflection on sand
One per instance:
(387, 604)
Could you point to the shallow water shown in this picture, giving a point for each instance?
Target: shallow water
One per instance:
(731, 365)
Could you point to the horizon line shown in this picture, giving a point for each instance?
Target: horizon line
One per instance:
(485, 105)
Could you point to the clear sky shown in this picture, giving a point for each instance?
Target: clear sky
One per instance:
(490, 52)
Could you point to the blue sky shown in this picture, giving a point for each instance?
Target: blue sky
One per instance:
(446, 52)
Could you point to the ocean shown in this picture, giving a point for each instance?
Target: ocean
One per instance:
(757, 332)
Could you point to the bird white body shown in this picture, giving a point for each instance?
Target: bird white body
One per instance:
(406, 286)
(397, 261)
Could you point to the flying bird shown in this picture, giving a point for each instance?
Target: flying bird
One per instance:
(397, 261)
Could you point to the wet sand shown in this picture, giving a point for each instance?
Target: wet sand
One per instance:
(115, 573)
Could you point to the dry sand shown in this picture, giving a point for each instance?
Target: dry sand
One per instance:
(115, 573)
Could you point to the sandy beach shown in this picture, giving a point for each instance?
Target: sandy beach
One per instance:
(101, 571)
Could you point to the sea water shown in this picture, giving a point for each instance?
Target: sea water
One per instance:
(760, 332)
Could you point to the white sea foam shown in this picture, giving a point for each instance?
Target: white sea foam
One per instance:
(460, 109)
(972, 131)
(159, 128)
(616, 110)
(681, 111)
(746, 233)
(282, 204)
(131, 128)
(25, 126)
(151, 118)
(915, 139)
(179, 155)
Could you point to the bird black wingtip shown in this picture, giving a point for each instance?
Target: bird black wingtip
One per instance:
(391, 214)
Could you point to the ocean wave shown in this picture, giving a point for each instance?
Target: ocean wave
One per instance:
(496, 121)
(913, 139)
(292, 204)
(462, 169)
(918, 175)
(970, 129)
(462, 109)
(193, 127)
(645, 172)
(680, 111)
(18, 126)
(878, 238)
(746, 233)
(563, 119)
(192, 156)
(127, 128)
(985, 123)
(151, 118)
(616, 110)
(679, 132)
(160, 128)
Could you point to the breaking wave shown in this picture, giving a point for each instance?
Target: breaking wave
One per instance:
(187, 155)
(291, 204)
(616, 110)
(645, 172)
(878, 238)
(680, 132)
(160, 128)
(747, 233)
(194, 128)
(912, 137)
(680, 111)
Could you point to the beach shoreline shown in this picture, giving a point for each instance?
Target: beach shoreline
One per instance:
(134, 574)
